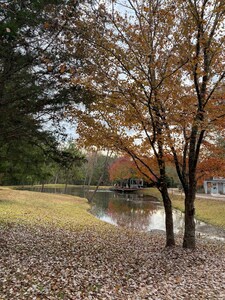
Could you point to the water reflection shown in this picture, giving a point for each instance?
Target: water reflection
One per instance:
(143, 213)
(136, 211)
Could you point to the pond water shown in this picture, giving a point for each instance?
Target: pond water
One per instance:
(136, 211)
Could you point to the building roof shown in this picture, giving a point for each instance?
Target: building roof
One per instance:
(216, 180)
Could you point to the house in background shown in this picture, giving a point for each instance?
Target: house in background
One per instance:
(214, 186)
(128, 185)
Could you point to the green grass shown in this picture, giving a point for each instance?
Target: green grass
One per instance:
(61, 185)
(151, 192)
(46, 209)
(208, 210)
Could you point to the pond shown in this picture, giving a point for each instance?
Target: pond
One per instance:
(136, 211)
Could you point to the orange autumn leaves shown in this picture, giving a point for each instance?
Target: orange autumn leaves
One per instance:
(124, 167)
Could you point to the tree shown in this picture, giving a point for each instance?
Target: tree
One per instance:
(23, 163)
(135, 70)
(123, 168)
(35, 75)
(96, 168)
(202, 28)
(157, 71)
(211, 162)
(21, 95)
(72, 159)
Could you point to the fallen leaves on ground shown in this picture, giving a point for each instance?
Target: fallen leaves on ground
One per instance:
(44, 263)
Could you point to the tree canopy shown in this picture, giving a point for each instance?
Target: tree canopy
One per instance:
(123, 168)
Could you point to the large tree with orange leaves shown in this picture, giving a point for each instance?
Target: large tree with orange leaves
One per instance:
(202, 29)
(157, 70)
(212, 161)
(126, 72)
(125, 168)
(122, 168)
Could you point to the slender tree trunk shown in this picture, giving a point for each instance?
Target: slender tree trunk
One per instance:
(190, 191)
(56, 178)
(90, 199)
(42, 187)
(170, 240)
(66, 183)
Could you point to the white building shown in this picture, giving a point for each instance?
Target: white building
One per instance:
(214, 186)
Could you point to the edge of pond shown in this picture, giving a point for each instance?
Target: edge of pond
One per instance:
(179, 206)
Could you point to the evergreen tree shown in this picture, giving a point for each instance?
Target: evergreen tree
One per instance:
(36, 75)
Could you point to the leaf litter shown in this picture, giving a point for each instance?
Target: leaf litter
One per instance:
(55, 263)
(52, 248)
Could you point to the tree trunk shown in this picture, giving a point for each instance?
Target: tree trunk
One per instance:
(65, 187)
(90, 199)
(42, 187)
(189, 231)
(56, 178)
(190, 192)
(170, 240)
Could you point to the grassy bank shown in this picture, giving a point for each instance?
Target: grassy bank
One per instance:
(45, 209)
(208, 210)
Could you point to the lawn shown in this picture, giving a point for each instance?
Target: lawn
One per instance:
(26, 207)
(53, 248)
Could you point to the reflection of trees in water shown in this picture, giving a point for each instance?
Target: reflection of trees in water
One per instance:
(178, 221)
(133, 196)
(131, 214)
(141, 215)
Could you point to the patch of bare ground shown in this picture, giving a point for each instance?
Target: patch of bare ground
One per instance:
(50, 263)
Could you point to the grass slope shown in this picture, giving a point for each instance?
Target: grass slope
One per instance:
(26, 207)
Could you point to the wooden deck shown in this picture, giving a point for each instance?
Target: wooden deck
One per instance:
(124, 189)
